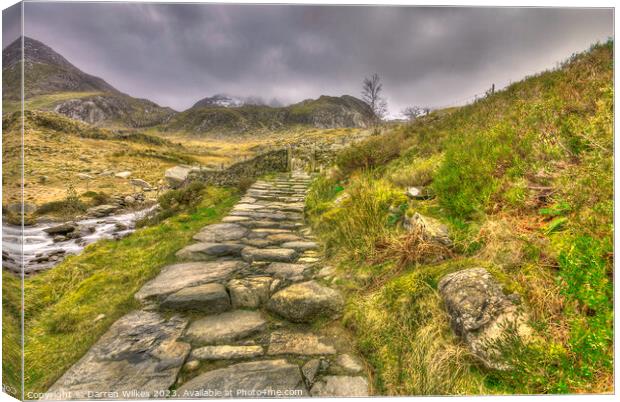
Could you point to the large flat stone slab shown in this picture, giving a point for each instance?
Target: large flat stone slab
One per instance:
(259, 379)
(178, 276)
(140, 354)
(340, 386)
(226, 327)
(205, 251)
(298, 343)
(210, 298)
(304, 302)
(221, 232)
(227, 352)
(251, 254)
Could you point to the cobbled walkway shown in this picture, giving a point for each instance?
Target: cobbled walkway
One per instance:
(246, 312)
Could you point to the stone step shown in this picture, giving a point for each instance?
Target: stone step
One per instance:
(225, 327)
(252, 254)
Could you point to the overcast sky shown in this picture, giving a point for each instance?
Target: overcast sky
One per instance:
(175, 54)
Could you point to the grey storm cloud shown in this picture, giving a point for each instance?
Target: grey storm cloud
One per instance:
(175, 54)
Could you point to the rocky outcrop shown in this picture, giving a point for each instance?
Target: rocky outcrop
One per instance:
(482, 315)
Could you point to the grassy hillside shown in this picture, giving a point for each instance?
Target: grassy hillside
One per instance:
(524, 181)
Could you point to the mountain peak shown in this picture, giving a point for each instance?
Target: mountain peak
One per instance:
(46, 71)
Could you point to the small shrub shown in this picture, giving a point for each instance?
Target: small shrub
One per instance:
(420, 172)
(174, 201)
(371, 153)
(66, 208)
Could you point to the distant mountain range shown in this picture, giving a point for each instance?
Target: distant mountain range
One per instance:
(52, 83)
(221, 100)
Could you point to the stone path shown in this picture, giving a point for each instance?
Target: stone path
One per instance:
(244, 313)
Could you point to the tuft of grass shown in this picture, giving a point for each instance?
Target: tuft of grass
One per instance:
(62, 303)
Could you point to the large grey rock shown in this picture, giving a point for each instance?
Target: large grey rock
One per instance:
(304, 302)
(205, 251)
(298, 343)
(482, 315)
(61, 229)
(102, 210)
(226, 327)
(226, 352)
(176, 176)
(251, 254)
(221, 232)
(265, 378)
(178, 276)
(249, 292)
(210, 298)
(342, 386)
(430, 228)
(141, 352)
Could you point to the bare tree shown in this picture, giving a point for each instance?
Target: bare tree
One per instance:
(412, 112)
(372, 94)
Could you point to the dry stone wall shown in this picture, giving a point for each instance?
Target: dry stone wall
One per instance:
(235, 174)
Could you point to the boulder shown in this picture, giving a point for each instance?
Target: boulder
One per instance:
(482, 315)
(61, 229)
(102, 210)
(430, 228)
(226, 327)
(84, 176)
(340, 386)
(265, 378)
(210, 298)
(176, 176)
(304, 302)
(129, 200)
(249, 292)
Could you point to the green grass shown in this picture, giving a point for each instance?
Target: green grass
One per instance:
(63, 303)
(524, 180)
